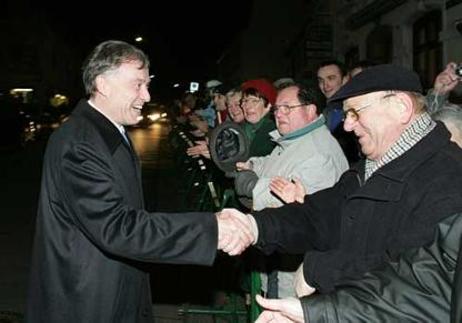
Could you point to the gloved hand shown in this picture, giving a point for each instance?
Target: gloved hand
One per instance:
(244, 182)
(231, 174)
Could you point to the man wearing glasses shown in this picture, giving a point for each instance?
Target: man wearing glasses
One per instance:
(392, 202)
(306, 153)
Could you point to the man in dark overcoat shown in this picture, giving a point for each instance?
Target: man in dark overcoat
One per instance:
(92, 231)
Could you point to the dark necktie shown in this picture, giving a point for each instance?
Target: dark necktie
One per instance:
(124, 134)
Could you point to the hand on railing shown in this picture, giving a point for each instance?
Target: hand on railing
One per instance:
(201, 148)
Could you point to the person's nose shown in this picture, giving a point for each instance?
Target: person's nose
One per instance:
(348, 124)
(145, 96)
(278, 114)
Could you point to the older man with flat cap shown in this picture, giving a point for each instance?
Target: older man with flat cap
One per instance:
(390, 203)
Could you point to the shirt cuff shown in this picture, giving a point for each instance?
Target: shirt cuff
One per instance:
(253, 227)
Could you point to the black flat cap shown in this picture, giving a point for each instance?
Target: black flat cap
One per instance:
(379, 78)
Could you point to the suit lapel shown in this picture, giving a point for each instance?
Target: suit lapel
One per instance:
(125, 158)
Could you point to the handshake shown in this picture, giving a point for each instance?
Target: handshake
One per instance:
(236, 231)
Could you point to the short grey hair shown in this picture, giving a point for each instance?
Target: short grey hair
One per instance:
(108, 56)
(233, 92)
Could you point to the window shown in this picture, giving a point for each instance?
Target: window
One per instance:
(427, 48)
(380, 44)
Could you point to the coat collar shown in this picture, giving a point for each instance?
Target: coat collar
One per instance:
(107, 130)
(402, 167)
(388, 182)
(318, 122)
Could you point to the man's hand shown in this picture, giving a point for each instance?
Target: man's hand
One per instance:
(447, 80)
(235, 231)
(244, 183)
(244, 165)
(200, 149)
(300, 285)
(286, 310)
(288, 191)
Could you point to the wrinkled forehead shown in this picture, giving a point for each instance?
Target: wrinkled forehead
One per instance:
(289, 94)
(236, 96)
(130, 67)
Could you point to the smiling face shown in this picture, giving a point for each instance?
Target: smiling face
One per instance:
(122, 92)
(330, 80)
(378, 126)
(233, 103)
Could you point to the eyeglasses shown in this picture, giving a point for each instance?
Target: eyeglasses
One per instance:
(251, 102)
(285, 108)
(354, 113)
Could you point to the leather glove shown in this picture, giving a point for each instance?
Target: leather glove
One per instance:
(231, 174)
(244, 182)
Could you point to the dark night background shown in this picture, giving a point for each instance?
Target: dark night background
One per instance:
(182, 38)
(44, 43)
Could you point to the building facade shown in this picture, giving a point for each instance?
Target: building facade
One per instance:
(420, 34)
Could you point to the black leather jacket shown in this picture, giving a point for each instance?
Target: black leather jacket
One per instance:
(415, 288)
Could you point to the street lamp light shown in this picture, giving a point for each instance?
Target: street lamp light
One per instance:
(139, 39)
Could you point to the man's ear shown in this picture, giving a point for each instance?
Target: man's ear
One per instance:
(311, 108)
(102, 85)
(406, 107)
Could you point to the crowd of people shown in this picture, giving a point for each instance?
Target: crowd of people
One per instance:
(351, 189)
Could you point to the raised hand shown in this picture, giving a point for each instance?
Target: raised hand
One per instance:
(235, 231)
(447, 80)
(288, 191)
(286, 310)
(300, 285)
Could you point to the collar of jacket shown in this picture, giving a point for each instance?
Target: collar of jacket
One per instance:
(299, 132)
(108, 131)
(250, 129)
(388, 181)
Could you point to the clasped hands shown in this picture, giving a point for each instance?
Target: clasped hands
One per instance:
(236, 231)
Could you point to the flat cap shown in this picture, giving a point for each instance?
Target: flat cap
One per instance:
(379, 78)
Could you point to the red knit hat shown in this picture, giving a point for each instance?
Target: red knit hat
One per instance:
(263, 86)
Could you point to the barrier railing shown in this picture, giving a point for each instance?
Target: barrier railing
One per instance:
(200, 192)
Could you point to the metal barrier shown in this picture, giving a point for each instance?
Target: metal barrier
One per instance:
(201, 193)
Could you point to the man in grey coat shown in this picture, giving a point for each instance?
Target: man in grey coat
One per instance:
(92, 231)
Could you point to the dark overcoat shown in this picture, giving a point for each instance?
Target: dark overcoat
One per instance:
(92, 233)
(358, 225)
